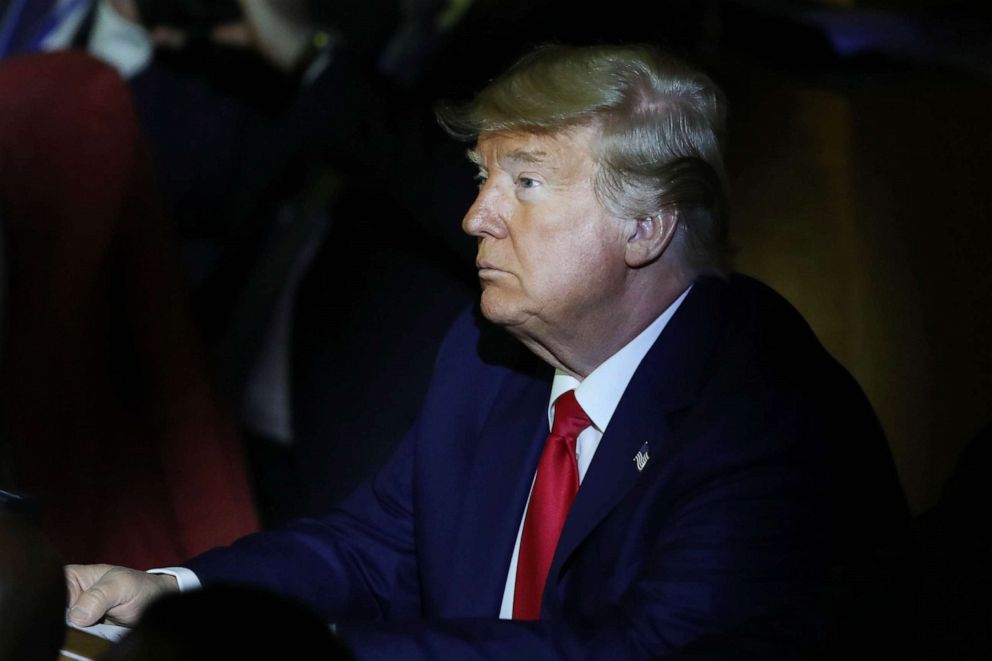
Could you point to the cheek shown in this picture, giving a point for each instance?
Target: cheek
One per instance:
(580, 247)
(593, 255)
(580, 275)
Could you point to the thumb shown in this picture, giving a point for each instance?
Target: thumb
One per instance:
(90, 606)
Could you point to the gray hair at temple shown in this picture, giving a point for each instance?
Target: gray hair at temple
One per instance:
(659, 123)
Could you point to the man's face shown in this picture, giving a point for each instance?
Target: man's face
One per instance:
(550, 258)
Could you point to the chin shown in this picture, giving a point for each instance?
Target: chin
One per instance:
(500, 311)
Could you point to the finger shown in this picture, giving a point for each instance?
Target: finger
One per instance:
(236, 35)
(87, 609)
(93, 604)
(71, 583)
(168, 38)
(72, 586)
(80, 577)
(116, 587)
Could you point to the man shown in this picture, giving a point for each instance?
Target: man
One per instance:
(728, 465)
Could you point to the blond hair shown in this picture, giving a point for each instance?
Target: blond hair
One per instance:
(659, 123)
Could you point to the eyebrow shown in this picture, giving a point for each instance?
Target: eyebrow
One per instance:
(515, 156)
(526, 156)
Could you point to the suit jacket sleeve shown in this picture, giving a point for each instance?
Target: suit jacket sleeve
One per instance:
(358, 561)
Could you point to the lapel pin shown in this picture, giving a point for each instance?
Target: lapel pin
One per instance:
(641, 458)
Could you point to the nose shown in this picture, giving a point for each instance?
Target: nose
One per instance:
(483, 217)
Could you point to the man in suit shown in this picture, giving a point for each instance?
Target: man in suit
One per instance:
(710, 470)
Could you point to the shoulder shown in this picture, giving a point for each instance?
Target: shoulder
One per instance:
(758, 369)
(758, 337)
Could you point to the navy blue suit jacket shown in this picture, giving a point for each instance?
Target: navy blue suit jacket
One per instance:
(768, 478)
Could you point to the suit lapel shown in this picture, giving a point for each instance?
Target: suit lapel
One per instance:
(667, 380)
(502, 470)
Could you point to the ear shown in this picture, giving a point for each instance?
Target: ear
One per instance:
(648, 237)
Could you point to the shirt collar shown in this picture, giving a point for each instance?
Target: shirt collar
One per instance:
(600, 392)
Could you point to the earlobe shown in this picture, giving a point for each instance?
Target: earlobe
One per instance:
(650, 236)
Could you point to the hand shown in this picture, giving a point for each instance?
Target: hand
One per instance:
(117, 592)
(127, 9)
(278, 29)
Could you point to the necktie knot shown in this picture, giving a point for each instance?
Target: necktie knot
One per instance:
(570, 419)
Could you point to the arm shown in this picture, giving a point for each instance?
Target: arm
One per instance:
(358, 561)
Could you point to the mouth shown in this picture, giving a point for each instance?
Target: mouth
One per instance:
(486, 268)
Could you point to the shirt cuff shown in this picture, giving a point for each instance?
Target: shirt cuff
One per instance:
(186, 579)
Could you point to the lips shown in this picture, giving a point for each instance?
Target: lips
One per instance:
(485, 265)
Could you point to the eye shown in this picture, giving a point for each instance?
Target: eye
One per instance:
(527, 182)
(480, 179)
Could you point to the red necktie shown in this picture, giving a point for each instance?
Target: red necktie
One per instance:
(555, 487)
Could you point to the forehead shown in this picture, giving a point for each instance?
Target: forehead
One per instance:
(561, 151)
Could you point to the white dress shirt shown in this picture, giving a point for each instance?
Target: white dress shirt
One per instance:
(598, 395)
